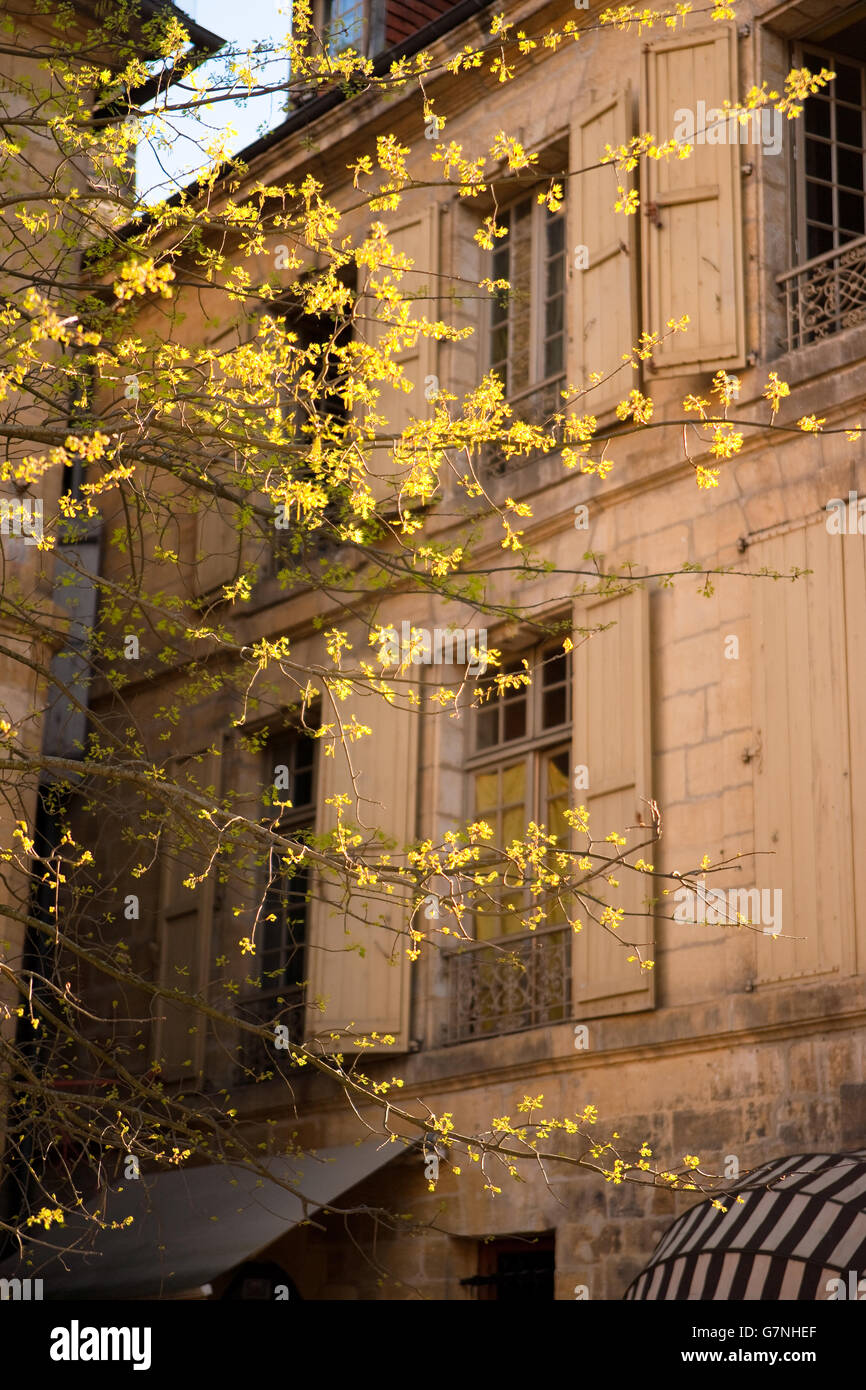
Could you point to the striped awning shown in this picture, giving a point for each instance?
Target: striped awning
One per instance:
(802, 1224)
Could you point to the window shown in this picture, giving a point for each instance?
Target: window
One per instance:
(515, 1268)
(345, 26)
(832, 141)
(517, 972)
(319, 336)
(527, 322)
(277, 994)
(521, 773)
(824, 293)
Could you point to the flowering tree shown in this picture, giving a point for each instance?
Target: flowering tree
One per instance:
(124, 429)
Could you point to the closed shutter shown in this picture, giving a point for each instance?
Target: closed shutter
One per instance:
(802, 772)
(358, 964)
(612, 740)
(604, 290)
(692, 261)
(418, 240)
(854, 577)
(184, 936)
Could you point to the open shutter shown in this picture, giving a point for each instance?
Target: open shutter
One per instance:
(854, 578)
(802, 771)
(604, 288)
(367, 989)
(692, 260)
(184, 941)
(612, 740)
(418, 239)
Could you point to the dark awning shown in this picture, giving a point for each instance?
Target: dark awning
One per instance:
(190, 1225)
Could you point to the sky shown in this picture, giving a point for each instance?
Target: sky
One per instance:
(159, 172)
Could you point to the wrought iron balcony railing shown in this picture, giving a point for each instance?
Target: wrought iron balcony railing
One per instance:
(506, 986)
(536, 405)
(825, 295)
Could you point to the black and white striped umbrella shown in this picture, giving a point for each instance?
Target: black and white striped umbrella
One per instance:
(800, 1233)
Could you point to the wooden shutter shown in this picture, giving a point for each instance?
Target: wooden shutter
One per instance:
(418, 239)
(612, 740)
(692, 261)
(854, 580)
(367, 990)
(184, 940)
(604, 292)
(802, 781)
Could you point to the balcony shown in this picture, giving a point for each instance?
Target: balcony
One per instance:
(507, 986)
(825, 295)
(536, 406)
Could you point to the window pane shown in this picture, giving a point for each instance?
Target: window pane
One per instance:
(847, 84)
(487, 728)
(818, 161)
(849, 125)
(851, 212)
(557, 788)
(499, 347)
(556, 678)
(819, 203)
(554, 356)
(515, 719)
(818, 240)
(555, 315)
(514, 790)
(555, 234)
(817, 116)
(486, 792)
(850, 168)
(554, 707)
(345, 25)
(500, 799)
(557, 785)
(521, 288)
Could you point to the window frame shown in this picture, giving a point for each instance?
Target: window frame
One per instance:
(533, 749)
(538, 336)
(363, 45)
(271, 881)
(801, 179)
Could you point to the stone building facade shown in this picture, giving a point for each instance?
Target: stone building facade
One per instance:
(739, 712)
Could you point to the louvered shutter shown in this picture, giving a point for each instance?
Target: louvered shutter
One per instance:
(611, 738)
(604, 290)
(692, 251)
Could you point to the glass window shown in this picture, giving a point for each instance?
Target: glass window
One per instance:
(276, 994)
(511, 789)
(832, 143)
(527, 322)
